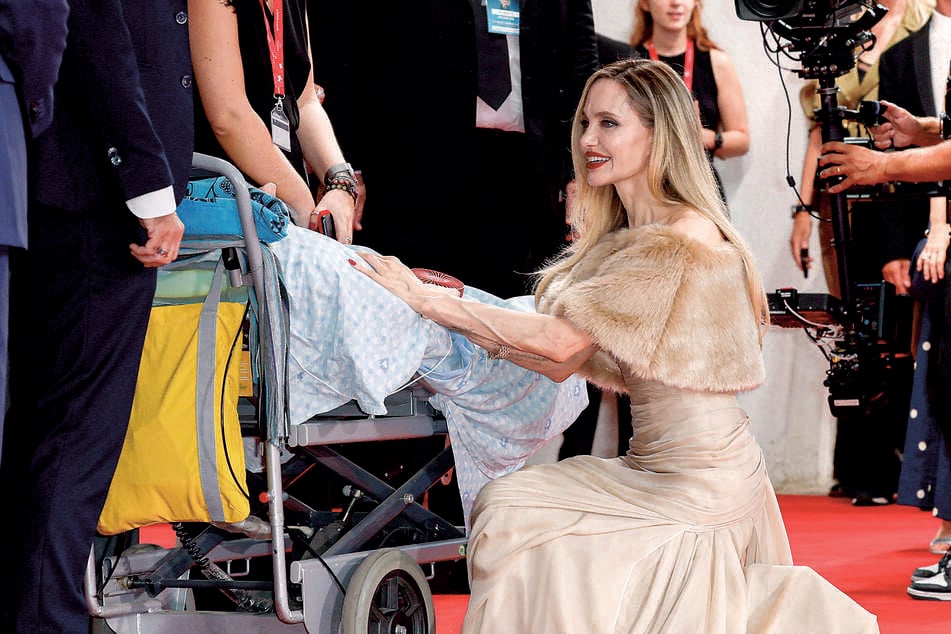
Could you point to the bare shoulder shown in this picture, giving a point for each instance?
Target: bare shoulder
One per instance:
(698, 227)
(720, 59)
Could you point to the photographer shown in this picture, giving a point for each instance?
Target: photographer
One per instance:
(929, 161)
(859, 84)
(925, 480)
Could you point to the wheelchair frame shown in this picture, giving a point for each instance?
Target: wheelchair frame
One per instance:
(347, 587)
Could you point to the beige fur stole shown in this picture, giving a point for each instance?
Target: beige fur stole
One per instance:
(667, 307)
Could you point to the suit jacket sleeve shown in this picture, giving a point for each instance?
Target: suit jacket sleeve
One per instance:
(897, 226)
(583, 60)
(663, 307)
(32, 39)
(108, 82)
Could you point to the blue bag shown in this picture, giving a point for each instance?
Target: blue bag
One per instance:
(210, 209)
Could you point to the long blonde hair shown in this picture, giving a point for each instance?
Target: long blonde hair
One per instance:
(678, 171)
(644, 28)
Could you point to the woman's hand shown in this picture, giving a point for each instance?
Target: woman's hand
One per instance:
(341, 206)
(799, 239)
(933, 256)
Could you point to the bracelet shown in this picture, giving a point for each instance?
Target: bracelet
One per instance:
(342, 177)
(717, 141)
(798, 209)
(928, 232)
(501, 352)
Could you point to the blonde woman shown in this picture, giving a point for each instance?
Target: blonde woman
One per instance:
(659, 298)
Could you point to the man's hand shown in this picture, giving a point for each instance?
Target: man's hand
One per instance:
(164, 238)
(852, 164)
(898, 272)
(901, 130)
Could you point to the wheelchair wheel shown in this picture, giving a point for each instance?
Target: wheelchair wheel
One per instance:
(388, 594)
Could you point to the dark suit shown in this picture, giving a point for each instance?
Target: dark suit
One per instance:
(80, 301)
(611, 50)
(905, 79)
(481, 205)
(32, 38)
(401, 92)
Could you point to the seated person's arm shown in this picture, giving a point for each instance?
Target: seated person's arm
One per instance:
(549, 345)
(216, 58)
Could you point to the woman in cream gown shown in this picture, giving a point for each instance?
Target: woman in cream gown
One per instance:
(659, 298)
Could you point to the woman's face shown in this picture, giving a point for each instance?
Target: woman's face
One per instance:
(616, 144)
(669, 15)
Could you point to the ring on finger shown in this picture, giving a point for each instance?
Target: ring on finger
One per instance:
(161, 251)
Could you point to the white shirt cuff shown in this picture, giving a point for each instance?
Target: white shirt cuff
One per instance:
(153, 204)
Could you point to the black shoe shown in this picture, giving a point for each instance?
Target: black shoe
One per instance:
(927, 572)
(934, 588)
(867, 499)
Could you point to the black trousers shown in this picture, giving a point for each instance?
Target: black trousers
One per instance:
(80, 306)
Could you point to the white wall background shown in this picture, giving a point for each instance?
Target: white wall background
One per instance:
(790, 416)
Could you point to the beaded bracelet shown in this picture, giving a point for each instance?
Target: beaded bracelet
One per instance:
(342, 177)
(345, 185)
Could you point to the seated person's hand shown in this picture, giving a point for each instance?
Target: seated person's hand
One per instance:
(396, 277)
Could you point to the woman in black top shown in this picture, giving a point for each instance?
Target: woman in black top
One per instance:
(257, 104)
(671, 31)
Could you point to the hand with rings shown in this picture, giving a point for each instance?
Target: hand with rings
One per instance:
(931, 263)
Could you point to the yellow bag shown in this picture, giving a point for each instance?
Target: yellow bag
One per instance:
(183, 458)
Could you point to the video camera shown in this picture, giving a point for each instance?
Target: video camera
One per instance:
(857, 333)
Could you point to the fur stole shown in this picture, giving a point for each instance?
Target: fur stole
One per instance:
(664, 307)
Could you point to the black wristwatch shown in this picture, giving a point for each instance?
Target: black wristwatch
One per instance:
(717, 141)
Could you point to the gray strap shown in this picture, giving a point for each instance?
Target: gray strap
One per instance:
(206, 396)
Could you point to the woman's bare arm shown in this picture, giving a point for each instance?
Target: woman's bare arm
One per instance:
(549, 345)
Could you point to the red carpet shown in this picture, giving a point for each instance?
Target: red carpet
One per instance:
(868, 552)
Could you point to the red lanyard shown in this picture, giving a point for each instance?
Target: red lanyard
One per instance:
(275, 44)
(688, 61)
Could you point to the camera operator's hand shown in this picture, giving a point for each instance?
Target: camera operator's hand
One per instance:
(852, 164)
(903, 128)
(898, 272)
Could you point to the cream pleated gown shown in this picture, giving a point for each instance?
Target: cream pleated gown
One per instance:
(683, 534)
